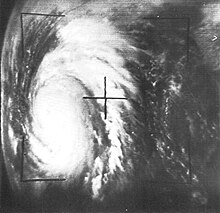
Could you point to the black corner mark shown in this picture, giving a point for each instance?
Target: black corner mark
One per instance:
(33, 14)
(43, 14)
(23, 154)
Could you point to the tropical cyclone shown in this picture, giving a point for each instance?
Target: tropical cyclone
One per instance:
(158, 65)
(62, 119)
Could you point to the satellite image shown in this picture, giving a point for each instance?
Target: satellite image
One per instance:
(110, 106)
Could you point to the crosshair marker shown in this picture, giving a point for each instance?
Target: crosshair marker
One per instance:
(105, 98)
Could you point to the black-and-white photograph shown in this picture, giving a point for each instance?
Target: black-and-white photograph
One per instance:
(110, 106)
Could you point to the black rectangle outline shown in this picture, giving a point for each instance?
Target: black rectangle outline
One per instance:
(187, 56)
